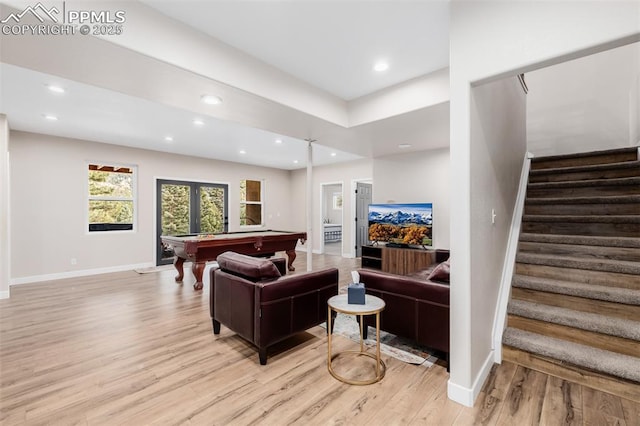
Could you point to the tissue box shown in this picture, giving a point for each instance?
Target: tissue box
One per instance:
(355, 294)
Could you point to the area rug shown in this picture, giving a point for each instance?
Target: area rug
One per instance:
(400, 348)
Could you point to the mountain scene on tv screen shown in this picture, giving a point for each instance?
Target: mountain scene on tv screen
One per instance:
(401, 223)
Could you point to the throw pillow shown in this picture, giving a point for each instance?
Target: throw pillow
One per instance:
(441, 272)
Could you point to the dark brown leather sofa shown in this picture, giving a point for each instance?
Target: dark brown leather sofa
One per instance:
(251, 297)
(416, 308)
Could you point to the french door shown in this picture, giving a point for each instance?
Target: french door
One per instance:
(188, 208)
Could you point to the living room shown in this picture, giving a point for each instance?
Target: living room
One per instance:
(39, 249)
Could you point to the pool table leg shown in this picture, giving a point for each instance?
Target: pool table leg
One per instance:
(198, 269)
(291, 254)
(178, 262)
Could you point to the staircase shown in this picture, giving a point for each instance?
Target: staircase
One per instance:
(574, 311)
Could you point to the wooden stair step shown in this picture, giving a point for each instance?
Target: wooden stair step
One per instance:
(580, 250)
(606, 383)
(580, 290)
(630, 242)
(580, 304)
(604, 265)
(597, 340)
(586, 172)
(602, 229)
(585, 158)
(628, 219)
(611, 279)
(615, 204)
(585, 188)
(596, 323)
(603, 361)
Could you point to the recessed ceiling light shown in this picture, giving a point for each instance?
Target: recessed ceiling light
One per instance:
(278, 141)
(295, 161)
(198, 122)
(333, 154)
(242, 151)
(381, 66)
(211, 99)
(55, 89)
(404, 145)
(168, 138)
(50, 117)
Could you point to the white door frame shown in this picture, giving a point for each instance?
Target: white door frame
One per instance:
(351, 253)
(320, 218)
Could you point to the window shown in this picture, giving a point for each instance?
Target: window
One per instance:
(185, 207)
(250, 202)
(337, 201)
(111, 198)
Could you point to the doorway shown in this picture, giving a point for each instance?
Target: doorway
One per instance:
(332, 221)
(363, 197)
(188, 208)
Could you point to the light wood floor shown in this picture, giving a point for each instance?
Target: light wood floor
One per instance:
(125, 348)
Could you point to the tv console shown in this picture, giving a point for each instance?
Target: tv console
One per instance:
(396, 260)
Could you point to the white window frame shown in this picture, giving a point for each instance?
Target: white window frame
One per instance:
(261, 203)
(134, 183)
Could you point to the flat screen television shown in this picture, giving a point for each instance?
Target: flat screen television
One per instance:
(401, 224)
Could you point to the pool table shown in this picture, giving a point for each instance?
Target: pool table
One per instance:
(201, 248)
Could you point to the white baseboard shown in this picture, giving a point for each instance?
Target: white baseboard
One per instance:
(459, 394)
(466, 396)
(79, 273)
(4, 295)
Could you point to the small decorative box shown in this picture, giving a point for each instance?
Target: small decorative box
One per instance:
(355, 294)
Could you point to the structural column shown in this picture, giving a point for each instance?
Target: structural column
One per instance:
(309, 205)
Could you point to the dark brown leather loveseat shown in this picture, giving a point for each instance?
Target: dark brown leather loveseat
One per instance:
(416, 307)
(251, 297)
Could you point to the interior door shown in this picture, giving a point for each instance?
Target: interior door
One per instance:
(363, 199)
(188, 208)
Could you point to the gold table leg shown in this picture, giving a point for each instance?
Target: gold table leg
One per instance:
(381, 368)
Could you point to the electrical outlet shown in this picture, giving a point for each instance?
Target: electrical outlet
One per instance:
(74, 261)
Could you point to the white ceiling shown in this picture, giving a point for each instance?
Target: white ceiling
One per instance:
(331, 45)
(90, 113)
(116, 95)
(139, 107)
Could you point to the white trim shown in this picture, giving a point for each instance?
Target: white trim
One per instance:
(79, 273)
(4, 295)
(322, 205)
(466, 396)
(351, 253)
(500, 315)
(459, 394)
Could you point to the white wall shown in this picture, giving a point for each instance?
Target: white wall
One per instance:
(417, 177)
(4, 207)
(587, 104)
(343, 172)
(490, 40)
(48, 203)
(498, 146)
